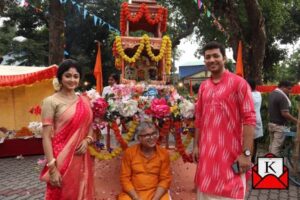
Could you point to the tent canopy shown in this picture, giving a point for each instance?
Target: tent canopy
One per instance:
(22, 88)
(14, 76)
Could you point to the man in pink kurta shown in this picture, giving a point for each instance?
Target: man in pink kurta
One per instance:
(225, 120)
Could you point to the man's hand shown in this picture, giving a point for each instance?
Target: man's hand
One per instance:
(244, 163)
(195, 154)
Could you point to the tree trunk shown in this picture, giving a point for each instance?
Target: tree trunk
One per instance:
(258, 39)
(253, 38)
(56, 32)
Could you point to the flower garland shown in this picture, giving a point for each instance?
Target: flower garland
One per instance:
(166, 49)
(161, 16)
(123, 142)
(186, 143)
(122, 53)
(164, 130)
(180, 146)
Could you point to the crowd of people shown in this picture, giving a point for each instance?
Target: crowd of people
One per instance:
(227, 126)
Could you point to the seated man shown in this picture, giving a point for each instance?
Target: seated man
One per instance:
(145, 170)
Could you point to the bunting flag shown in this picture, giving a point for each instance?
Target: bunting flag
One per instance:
(84, 12)
(98, 70)
(239, 61)
(199, 4)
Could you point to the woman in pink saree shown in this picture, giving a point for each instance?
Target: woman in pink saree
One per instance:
(67, 133)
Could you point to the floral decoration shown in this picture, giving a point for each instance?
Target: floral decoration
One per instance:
(151, 18)
(158, 103)
(164, 52)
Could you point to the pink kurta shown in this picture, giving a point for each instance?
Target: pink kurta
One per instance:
(222, 108)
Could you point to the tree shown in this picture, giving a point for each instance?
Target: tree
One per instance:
(260, 24)
(30, 24)
(56, 32)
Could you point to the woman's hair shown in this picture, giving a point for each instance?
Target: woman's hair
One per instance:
(143, 125)
(116, 77)
(65, 66)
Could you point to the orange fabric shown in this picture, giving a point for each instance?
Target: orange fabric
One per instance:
(239, 61)
(27, 78)
(143, 174)
(98, 70)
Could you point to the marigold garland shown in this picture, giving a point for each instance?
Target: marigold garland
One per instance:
(123, 142)
(152, 19)
(180, 146)
(122, 53)
(186, 143)
(166, 49)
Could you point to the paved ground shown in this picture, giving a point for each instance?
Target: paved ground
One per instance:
(19, 180)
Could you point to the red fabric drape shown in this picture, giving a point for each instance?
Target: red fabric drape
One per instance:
(270, 88)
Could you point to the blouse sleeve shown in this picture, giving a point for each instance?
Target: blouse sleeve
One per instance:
(48, 111)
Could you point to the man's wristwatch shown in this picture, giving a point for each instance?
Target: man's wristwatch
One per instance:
(247, 152)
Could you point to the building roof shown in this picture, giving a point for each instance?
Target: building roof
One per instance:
(185, 71)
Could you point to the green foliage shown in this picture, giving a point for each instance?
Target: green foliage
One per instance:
(290, 68)
(31, 24)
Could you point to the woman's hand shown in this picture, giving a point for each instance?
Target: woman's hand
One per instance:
(81, 149)
(55, 177)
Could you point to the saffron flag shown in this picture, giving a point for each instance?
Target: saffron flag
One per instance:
(98, 70)
(239, 68)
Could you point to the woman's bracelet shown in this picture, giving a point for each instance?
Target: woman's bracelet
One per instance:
(52, 162)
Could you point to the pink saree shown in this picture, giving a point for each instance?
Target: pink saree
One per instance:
(70, 129)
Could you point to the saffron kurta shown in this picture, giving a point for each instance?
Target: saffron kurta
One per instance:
(221, 111)
(145, 174)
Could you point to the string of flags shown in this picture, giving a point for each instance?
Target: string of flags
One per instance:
(97, 20)
(210, 14)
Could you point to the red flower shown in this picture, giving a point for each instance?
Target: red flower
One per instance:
(160, 108)
(99, 107)
(36, 110)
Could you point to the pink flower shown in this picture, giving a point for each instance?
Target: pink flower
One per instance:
(99, 107)
(160, 108)
(42, 162)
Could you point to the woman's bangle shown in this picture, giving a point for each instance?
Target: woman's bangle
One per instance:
(52, 162)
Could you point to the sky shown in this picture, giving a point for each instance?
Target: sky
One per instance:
(189, 47)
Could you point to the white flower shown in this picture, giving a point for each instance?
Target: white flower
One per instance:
(187, 109)
(93, 95)
(36, 128)
(127, 108)
(113, 105)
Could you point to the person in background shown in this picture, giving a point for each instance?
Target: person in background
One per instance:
(67, 132)
(113, 79)
(259, 126)
(225, 121)
(145, 169)
(279, 115)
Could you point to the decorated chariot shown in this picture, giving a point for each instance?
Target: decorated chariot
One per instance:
(145, 63)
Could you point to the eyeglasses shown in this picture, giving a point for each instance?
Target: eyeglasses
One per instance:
(149, 135)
